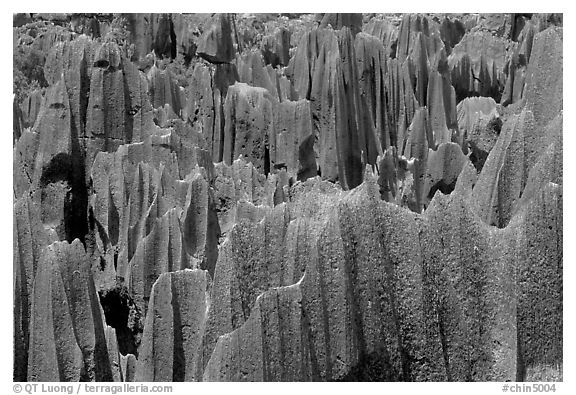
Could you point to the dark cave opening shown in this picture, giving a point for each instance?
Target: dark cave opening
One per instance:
(122, 314)
(69, 169)
(477, 156)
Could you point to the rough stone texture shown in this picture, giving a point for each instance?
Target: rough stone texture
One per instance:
(386, 32)
(163, 90)
(24, 158)
(55, 123)
(275, 47)
(113, 353)
(514, 90)
(239, 356)
(539, 287)
(251, 71)
(186, 33)
(288, 197)
(441, 108)
(139, 109)
(477, 63)
(248, 125)
(156, 253)
(292, 144)
(505, 172)
(447, 301)
(152, 32)
(451, 30)
(548, 167)
(55, 175)
(346, 135)
(17, 121)
(239, 182)
(303, 62)
(200, 105)
(402, 101)
(189, 145)
(472, 110)
(543, 76)
(65, 305)
(475, 288)
(31, 108)
(73, 61)
(372, 67)
(479, 124)
(338, 21)
(128, 366)
(125, 190)
(199, 224)
(417, 147)
(410, 27)
(174, 326)
(443, 168)
(29, 237)
(215, 45)
(106, 121)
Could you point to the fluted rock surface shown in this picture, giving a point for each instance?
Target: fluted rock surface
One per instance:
(276, 47)
(174, 327)
(248, 125)
(288, 197)
(67, 341)
(216, 45)
(477, 64)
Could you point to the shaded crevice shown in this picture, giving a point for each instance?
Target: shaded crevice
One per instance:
(351, 277)
(58, 169)
(178, 356)
(123, 315)
(129, 110)
(113, 221)
(102, 369)
(371, 367)
(442, 186)
(212, 238)
(84, 97)
(102, 64)
(306, 159)
(76, 221)
(266, 161)
(173, 46)
(69, 168)
(477, 156)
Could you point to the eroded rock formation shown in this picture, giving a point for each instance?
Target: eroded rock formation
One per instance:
(266, 197)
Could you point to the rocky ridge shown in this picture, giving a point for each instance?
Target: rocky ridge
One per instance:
(269, 197)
